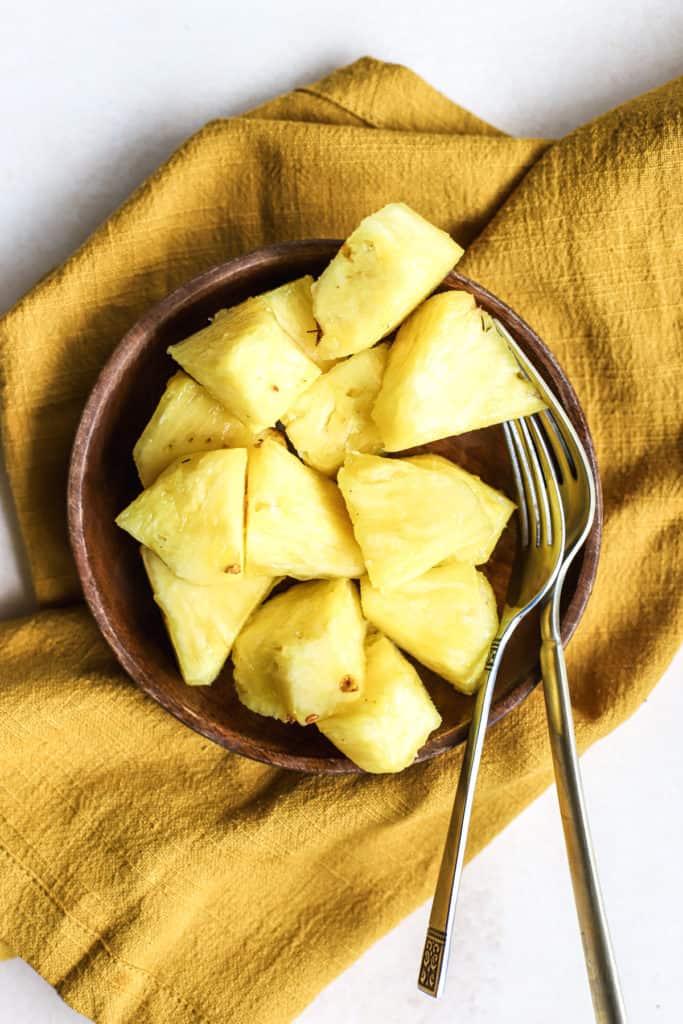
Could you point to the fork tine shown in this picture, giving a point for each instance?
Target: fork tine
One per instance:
(528, 481)
(556, 439)
(554, 415)
(544, 529)
(555, 449)
(551, 489)
(522, 510)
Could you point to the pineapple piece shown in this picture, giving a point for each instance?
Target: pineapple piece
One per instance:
(301, 656)
(449, 371)
(192, 516)
(249, 363)
(406, 517)
(388, 265)
(297, 523)
(292, 306)
(333, 416)
(186, 420)
(203, 621)
(271, 434)
(496, 506)
(446, 619)
(383, 731)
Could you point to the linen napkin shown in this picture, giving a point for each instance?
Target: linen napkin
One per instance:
(145, 872)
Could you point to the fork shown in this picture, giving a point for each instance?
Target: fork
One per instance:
(578, 493)
(542, 544)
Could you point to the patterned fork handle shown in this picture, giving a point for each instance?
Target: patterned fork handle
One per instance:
(432, 973)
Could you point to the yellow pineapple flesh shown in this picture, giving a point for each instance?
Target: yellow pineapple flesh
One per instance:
(292, 306)
(388, 265)
(271, 434)
(407, 517)
(496, 506)
(301, 656)
(333, 416)
(297, 523)
(384, 730)
(446, 619)
(186, 420)
(203, 621)
(249, 363)
(192, 516)
(449, 371)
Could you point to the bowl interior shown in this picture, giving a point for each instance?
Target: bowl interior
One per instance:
(103, 480)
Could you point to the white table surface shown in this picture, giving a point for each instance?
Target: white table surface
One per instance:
(94, 96)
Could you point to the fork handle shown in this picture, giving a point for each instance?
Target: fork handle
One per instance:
(437, 943)
(597, 947)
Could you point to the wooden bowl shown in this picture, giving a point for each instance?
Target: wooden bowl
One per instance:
(102, 480)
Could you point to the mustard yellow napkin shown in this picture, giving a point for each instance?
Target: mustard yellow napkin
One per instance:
(147, 873)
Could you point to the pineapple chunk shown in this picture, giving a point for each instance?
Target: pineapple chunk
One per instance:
(383, 270)
(449, 371)
(383, 731)
(271, 434)
(301, 656)
(297, 524)
(446, 619)
(497, 508)
(333, 416)
(203, 621)
(292, 306)
(249, 363)
(192, 516)
(186, 420)
(406, 517)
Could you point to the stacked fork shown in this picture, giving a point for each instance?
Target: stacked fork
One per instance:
(556, 506)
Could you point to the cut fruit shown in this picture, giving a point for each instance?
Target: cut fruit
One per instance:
(292, 306)
(271, 434)
(249, 363)
(333, 416)
(301, 656)
(297, 523)
(192, 516)
(383, 731)
(406, 517)
(388, 265)
(186, 420)
(446, 619)
(497, 508)
(449, 371)
(203, 621)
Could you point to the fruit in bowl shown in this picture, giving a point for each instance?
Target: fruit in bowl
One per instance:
(295, 424)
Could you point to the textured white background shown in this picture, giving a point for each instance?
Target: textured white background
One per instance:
(93, 96)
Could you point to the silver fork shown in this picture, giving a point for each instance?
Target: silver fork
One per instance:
(577, 490)
(542, 544)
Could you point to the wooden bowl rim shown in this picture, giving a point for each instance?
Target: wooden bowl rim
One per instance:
(108, 380)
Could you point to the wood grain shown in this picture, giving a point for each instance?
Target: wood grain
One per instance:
(102, 480)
